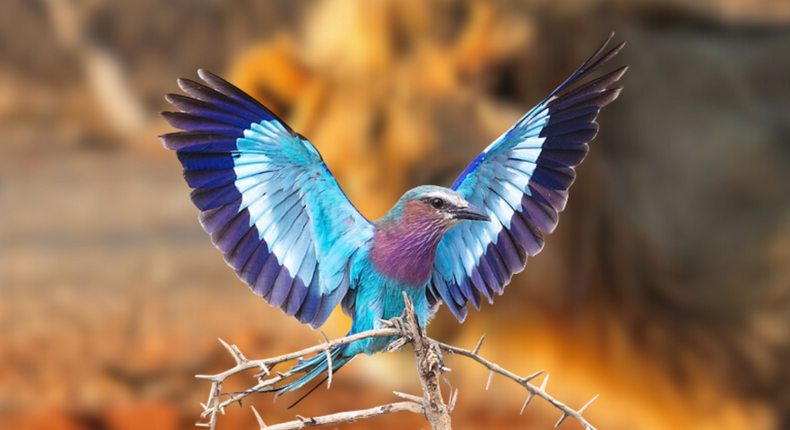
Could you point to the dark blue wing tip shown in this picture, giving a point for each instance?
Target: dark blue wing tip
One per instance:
(586, 68)
(232, 91)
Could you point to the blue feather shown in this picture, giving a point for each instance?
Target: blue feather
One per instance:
(271, 205)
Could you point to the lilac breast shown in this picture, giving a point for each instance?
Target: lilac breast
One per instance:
(406, 253)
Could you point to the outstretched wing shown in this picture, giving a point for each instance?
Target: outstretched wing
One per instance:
(267, 199)
(522, 181)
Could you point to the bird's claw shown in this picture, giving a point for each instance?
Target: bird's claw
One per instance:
(396, 323)
(386, 323)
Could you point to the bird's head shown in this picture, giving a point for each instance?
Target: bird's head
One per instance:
(438, 205)
(407, 237)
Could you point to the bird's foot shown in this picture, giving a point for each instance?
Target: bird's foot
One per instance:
(396, 323)
(403, 337)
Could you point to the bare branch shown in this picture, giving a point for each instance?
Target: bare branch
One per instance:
(346, 417)
(409, 397)
(429, 369)
(215, 406)
(430, 366)
(533, 390)
(271, 362)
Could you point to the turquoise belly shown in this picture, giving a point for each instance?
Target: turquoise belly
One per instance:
(380, 298)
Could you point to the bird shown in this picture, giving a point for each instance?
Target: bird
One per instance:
(282, 222)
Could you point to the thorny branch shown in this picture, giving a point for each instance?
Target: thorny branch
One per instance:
(428, 357)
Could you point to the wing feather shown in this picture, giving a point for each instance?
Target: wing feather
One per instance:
(522, 181)
(266, 198)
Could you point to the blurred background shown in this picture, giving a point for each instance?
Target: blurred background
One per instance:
(665, 289)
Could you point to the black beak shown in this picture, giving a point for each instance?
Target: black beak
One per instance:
(471, 213)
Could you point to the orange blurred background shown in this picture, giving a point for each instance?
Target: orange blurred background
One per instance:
(665, 289)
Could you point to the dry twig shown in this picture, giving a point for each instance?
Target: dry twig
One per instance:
(342, 417)
(428, 357)
(524, 382)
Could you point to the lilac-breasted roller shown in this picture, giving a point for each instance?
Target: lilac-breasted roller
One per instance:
(272, 207)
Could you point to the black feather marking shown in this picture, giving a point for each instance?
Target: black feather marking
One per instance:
(198, 141)
(252, 268)
(552, 157)
(469, 292)
(526, 233)
(497, 265)
(296, 297)
(543, 215)
(238, 257)
(214, 219)
(593, 87)
(587, 114)
(309, 306)
(512, 254)
(488, 275)
(266, 277)
(189, 122)
(206, 160)
(281, 288)
(556, 198)
(557, 178)
(480, 285)
(577, 127)
(209, 178)
(597, 100)
(215, 98)
(240, 96)
(207, 110)
(212, 198)
(226, 238)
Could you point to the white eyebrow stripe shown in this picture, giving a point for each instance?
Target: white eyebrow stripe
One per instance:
(452, 198)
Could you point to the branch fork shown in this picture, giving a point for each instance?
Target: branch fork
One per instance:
(430, 367)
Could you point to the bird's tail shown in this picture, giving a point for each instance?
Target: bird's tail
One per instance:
(315, 366)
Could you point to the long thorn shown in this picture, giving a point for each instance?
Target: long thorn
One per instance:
(230, 350)
(479, 344)
(532, 376)
(588, 404)
(258, 417)
(490, 377)
(328, 359)
(543, 385)
(526, 403)
(562, 418)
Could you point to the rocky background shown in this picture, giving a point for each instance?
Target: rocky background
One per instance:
(665, 289)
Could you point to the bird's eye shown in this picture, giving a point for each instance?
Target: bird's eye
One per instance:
(437, 203)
